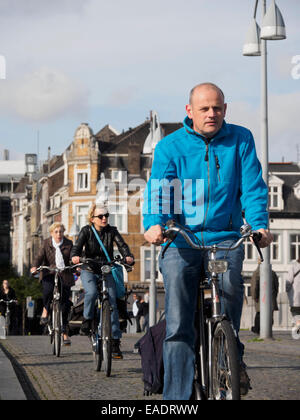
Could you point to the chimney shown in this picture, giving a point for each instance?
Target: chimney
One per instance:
(6, 154)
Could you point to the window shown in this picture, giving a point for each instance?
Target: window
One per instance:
(250, 254)
(273, 197)
(275, 193)
(118, 216)
(275, 248)
(82, 181)
(82, 212)
(116, 175)
(295, 247)
(146, 265)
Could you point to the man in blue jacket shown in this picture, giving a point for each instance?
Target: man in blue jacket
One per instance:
(203, 176)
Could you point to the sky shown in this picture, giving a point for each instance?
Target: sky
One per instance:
(112, 62)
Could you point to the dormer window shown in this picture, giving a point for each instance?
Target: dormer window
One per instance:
(275, 193)
(297, 190)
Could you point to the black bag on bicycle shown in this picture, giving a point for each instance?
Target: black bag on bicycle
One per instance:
(76, 316)
(150, 347)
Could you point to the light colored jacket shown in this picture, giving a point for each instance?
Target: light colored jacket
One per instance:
(293, 285)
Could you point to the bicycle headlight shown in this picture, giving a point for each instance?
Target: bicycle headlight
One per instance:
(218, 266)
(106, 269)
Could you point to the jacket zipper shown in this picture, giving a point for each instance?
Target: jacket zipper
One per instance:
(218, 167)
(208, 187)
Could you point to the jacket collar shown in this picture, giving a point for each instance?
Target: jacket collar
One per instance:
(188, 125)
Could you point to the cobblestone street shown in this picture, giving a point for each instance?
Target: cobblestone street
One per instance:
(274, 368)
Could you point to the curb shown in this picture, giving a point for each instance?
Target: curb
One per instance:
(10, 388)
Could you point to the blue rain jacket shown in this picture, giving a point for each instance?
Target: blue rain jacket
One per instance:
(205, 185)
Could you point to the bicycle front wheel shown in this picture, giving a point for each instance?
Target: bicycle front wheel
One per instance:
(56, 325)
(225, 369)
(106, 337)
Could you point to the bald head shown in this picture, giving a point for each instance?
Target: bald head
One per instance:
(205, 86)
(206, 109)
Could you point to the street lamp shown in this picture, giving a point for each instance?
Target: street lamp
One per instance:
(74, 231)
(273, 28)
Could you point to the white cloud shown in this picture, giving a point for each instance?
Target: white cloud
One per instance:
(283, 123)
(43, 95)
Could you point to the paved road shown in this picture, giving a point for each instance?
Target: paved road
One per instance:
(274, 368)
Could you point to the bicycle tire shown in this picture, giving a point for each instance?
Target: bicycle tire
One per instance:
(225, 370)
(56, 324)
(106, 338)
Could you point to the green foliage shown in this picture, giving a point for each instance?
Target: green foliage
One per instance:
(24, 286)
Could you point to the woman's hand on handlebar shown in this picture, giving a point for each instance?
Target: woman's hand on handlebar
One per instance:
(154, 235)
(129, 260)
(33, 270)
(75, 260)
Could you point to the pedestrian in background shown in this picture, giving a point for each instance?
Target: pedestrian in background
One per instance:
(7, 293)
(293, 290)
(135, 310)
(255, 296)
(144, 311)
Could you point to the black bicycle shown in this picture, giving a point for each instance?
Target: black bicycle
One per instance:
(101, 333)
(7, 314)
(217, 367)
(55, 322)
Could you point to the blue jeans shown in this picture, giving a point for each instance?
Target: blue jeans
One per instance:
(180, 269)
(89, 282)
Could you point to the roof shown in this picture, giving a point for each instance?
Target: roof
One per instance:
(12, 168)
(284, 167)
(136, 136)
(289, 173)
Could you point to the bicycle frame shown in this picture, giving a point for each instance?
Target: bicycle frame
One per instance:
(203, 379)
(56, 299)
(205, 348)
(102, 296)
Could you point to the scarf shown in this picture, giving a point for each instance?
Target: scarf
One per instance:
(59, 260)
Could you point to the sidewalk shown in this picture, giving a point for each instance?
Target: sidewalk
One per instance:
(273, 366)
(10, 388)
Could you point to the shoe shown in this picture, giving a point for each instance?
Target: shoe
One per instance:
(116, 352)
(244, 380)
(85, 328)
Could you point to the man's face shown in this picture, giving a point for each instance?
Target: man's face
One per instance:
(207, 110)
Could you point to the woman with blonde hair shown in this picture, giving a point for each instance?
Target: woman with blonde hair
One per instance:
(55, 252)
(98, 218)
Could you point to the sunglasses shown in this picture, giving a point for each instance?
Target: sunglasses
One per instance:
(106, 215)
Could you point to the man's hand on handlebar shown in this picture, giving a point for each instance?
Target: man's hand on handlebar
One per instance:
(154, 235)
(266, 238)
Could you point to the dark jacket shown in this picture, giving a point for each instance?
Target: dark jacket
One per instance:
(87, 241)
(255, 289)
(11, 295)
(46, 256)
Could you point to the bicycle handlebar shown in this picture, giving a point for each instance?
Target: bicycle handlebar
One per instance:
(9, 301)
(117, 259)
(55, 269)
(172, 231)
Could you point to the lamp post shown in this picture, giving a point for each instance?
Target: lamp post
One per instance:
(273, 28)
(74, 231)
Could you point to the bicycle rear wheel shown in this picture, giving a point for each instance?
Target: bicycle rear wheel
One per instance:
(56, 328)
(225, 364)
(106, 337)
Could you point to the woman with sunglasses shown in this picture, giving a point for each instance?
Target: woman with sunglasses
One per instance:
(98, 217)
